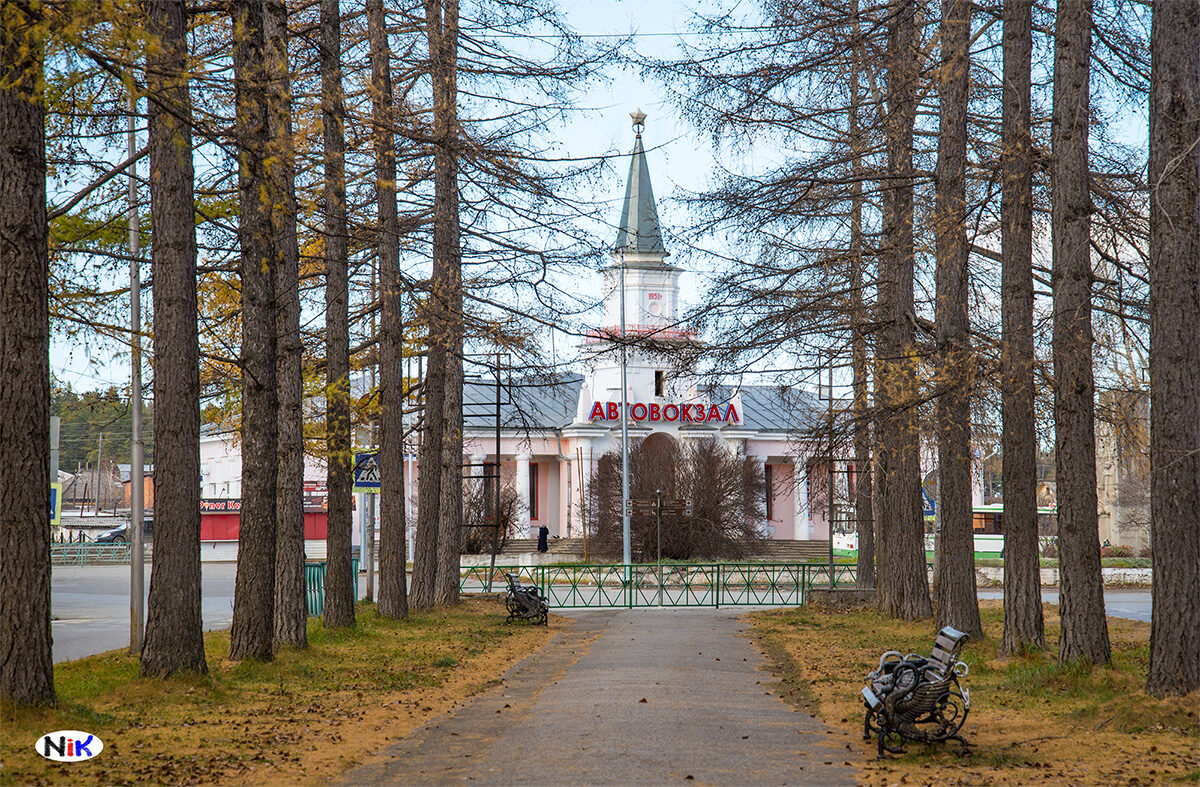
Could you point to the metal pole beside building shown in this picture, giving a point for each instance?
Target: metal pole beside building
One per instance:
(626, 552)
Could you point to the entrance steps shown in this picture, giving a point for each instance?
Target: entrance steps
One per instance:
(567, 548)
(787, 551)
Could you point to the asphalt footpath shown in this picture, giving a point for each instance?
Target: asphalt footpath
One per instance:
(624, 697)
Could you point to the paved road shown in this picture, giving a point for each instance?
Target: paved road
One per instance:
(90, 606)
(1131, 604)
(624, 697)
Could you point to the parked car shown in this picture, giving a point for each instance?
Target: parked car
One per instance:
(120, 534)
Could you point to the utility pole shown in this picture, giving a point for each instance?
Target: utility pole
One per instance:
(137, 575)
(99, 473)
(367, 548)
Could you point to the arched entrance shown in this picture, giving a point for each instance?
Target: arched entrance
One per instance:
(653, 466)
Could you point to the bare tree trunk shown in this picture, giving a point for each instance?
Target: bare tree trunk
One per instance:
(1023, 626)
(174, 630)
(252, 633)
(339, 574)
(393, 590)
(291, 609)
(429, 478)
(1174, 339)
(903, 588)
(957, 600)
(446, 247)
(864, 516)
(26, 663)
(1084, 628)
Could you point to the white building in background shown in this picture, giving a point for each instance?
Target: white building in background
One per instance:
(553, 433)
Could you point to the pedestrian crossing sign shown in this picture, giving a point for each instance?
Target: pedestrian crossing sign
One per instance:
(366, 472)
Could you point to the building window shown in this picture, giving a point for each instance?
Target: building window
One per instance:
(660, 383)
(770, 474)
(533, 490)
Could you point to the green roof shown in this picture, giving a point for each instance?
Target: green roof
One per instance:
(638, 230)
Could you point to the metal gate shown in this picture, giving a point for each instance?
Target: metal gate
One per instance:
(685, 585)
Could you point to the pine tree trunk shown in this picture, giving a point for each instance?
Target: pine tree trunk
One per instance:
(1023, 626)
(393, 590)
(252, 633)
(1174, 339)
(957, 600)
(446, 248)
(174, 630)
(903, 588)
(339, 576)
(291, 609)
(26, 662)
(864, 516)
(1084, 628)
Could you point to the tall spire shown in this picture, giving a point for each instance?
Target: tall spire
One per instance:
(638, 229)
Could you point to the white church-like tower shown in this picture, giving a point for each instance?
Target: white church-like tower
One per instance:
(652, 302)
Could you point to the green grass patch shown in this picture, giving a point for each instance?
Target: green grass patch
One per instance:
(1032, 720)
(245, 722)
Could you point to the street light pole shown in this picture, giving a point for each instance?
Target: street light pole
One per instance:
(832, 510)
(137, 557)
(658, 516)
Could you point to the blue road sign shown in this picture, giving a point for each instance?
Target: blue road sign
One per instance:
(366, 472)
(56, 504)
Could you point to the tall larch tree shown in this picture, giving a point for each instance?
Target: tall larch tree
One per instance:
(1175, 347)
(174, 629)
(957, 601)
(339, 578)
(26, 671)
(447, 293)
(1023, 625)
(860, 349)
(393, 590)
(252, 633)
(1084, 627)
(291, 609)
(903, 588)
(433, 314)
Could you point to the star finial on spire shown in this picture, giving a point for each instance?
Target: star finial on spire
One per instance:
(639, 120)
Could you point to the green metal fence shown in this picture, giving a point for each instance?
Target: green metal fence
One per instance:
(686, 585)
(314, 585)
(88, 554)
(474, 579)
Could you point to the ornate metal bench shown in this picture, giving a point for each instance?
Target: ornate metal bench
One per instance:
(525, 602)
(917, 698)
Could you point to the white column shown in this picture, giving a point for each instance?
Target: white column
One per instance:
(760, 463)
(801, 515)
(522, 482)
(564, 496)
(477, 469)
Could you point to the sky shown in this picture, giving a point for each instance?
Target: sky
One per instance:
(679, 160)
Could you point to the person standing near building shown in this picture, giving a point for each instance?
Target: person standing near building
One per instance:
(543, 534)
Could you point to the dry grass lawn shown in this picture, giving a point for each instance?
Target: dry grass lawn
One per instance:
(301, 719)
(1031, 721)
